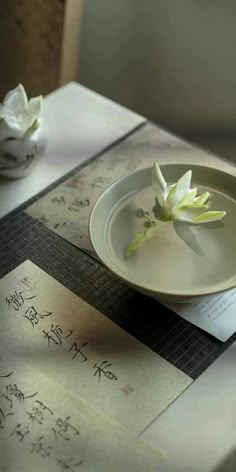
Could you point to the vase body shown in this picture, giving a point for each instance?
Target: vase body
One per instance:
(18, 157)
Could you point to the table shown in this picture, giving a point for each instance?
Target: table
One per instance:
(198, 429)
(80, 124)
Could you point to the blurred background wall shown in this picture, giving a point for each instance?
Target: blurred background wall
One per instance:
(173, 61)
(30, 44)
(39, 43)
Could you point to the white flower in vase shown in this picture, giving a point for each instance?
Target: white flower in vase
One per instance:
(22, 135)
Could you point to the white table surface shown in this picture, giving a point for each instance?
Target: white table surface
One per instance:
(80, 124)
(199, 429)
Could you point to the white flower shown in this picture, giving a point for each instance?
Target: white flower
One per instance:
(18, 115)
(179, 201)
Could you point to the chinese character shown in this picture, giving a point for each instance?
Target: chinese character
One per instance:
(44, 407)
(64, 429)
(59, 200)
(6, 375)
(20, 432)
(99, 182)
(33, 316)
(27, 283)
(3, 418)
(13, 392)
(127, 389)
(44, 220)
(37, 413)
(78, 351)
(39, 447)
(59, 225)
(101, 369)
(16, 300)
(56, 334)
(77, 204)
(69, 465)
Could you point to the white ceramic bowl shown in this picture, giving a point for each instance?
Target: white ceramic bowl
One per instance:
(183, 262)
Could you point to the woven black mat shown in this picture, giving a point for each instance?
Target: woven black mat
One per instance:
(176, 340)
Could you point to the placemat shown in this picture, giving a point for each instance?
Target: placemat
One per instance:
(176, 340)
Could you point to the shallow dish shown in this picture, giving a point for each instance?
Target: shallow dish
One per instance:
(183, 262)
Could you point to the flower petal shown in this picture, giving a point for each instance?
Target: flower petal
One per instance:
(31, 114)
(3, 112)
(182, 187)
(170, 194)
(35, 105)
(159, 184)
(209, 216)
(9, 129)
(189, 212)
(16, 100)
(202, 199)
(189, 198)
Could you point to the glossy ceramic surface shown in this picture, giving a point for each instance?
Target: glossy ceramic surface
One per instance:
(182, 262)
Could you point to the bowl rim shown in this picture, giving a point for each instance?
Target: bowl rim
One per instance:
(222, 287)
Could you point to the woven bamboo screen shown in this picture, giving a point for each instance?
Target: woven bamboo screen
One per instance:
(31, 37)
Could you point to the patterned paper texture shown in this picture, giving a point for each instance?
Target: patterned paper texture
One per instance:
(55, 331)
(67, 208)
(216, 315)
(44, 427)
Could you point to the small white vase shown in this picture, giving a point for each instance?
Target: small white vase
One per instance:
(19, 156)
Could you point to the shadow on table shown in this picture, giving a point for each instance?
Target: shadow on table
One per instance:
(228, 464)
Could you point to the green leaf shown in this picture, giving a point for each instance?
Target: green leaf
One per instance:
(149, 222)
(136, 242)
(140, 238)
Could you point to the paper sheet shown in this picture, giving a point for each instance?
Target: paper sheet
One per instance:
(67, 208)
(45, 428)
(74, 344)
(215, 314)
